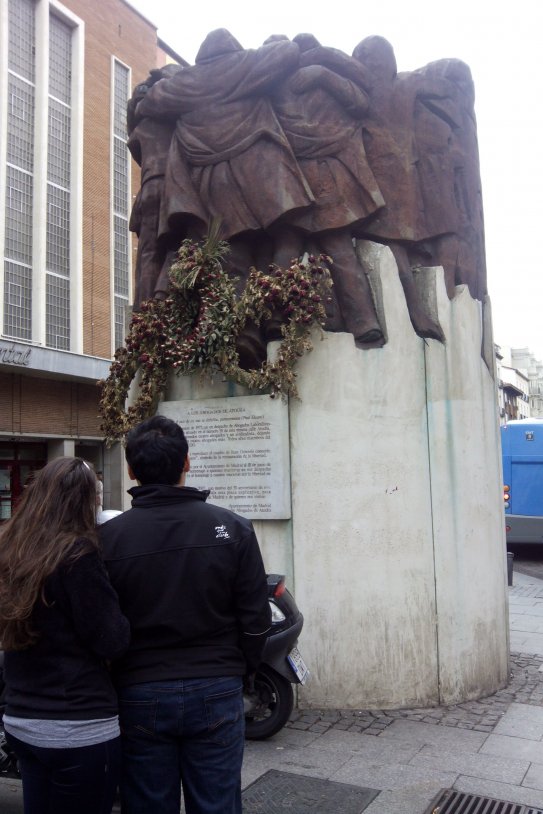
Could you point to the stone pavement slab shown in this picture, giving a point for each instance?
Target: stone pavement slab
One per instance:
(526, 623)
(292, 737)
(485, 766)
(526, 584)
(371, 748)
(358, 771)
(522, 721)
(526, 614)
(528, 608)
(525, 642)
(424, 734)
(517, 600)
(514, 748)
(534, 776)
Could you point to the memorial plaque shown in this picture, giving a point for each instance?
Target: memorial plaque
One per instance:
(239, 450)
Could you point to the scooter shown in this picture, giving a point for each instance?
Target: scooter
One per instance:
(269, 701)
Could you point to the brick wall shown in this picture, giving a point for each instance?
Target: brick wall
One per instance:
(112, 29)
(35, 406)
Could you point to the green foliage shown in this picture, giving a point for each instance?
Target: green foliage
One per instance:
(196, 329)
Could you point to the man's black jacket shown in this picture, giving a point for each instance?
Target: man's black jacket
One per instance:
(191, 581)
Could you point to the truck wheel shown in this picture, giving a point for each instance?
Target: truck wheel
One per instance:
(276, 699)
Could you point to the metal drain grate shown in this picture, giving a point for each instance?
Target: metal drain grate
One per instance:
(287, 793)
(458, 802)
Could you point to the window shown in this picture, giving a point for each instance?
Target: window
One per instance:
(57, 318)
(121, 176)
(19, 170)
(17, 300)
(57, 311)
(38, 174)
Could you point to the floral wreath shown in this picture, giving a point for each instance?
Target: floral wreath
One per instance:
(197, 326)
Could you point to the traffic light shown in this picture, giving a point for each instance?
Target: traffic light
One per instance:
(506, 496)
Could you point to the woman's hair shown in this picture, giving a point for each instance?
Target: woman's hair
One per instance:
(56, 508)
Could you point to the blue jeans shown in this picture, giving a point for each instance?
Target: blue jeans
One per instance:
(186, 732)
(64, 781)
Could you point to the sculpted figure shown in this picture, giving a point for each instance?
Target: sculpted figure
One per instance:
(389, 137)
(226, 133)
(414, 130)
(149, 143)
(227, 140)
(321, 113)
(461, 253)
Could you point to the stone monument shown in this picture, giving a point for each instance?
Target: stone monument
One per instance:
(377, 491)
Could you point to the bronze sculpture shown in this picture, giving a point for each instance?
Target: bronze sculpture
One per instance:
(297, 147)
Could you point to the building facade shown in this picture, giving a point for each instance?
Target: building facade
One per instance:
(513, 388)
(525, 360)
(67, 183)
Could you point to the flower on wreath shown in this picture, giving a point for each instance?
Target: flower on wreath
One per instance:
(197, 326)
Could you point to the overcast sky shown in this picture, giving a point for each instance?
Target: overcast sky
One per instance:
(501, 42)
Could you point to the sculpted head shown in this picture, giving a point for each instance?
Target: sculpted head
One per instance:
(276, 38)
(458, 72)
(377, 54)
(218, 43)
(306, 42)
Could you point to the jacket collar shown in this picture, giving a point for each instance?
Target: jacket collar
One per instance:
(154, 494)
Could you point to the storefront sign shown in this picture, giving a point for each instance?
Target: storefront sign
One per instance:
(14, 355)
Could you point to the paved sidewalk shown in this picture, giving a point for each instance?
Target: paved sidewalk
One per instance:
(526, 614)
(492, 747)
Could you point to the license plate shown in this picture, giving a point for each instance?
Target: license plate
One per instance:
(298, 665)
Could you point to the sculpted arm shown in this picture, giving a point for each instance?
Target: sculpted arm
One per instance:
(267, 65)
(339, 63)
(353, 98)
(164, 100)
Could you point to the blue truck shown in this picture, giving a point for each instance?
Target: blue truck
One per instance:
(522, 459)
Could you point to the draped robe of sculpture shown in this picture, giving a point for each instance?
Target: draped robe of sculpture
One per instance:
(228, 138)
(149, 143)
(462, 253)
(418, 137)
(321, 114)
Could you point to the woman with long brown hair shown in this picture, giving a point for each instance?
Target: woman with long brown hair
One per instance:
(60, 623)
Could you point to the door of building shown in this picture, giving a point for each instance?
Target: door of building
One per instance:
(18, 460)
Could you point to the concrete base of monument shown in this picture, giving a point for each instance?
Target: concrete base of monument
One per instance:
(395, 550)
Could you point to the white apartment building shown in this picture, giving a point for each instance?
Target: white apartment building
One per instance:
(513, 388)
(523, 359)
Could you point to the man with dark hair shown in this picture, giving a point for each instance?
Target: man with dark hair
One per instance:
(191, 581)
